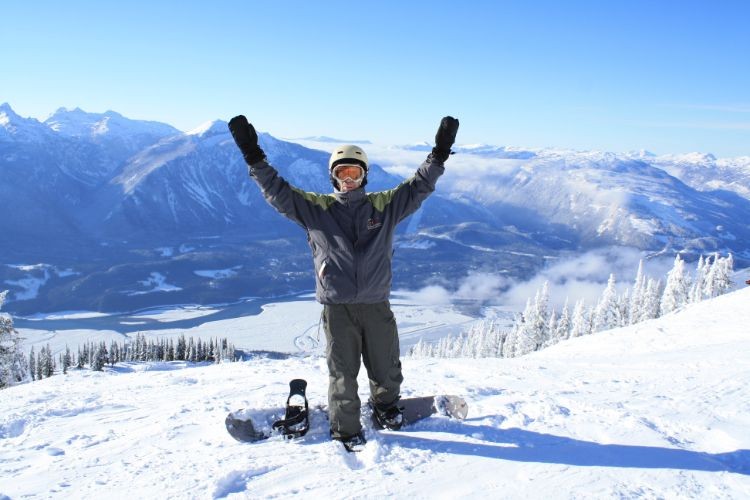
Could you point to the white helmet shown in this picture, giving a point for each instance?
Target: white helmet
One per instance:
(348, 154)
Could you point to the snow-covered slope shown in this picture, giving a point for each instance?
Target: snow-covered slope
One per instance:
(657, 410)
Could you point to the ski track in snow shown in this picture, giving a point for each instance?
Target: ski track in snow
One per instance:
(657, 410)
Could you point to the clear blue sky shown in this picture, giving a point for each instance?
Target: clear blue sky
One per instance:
(667, 76)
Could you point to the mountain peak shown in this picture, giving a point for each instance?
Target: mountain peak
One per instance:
(79, 123)
(17, 128)
(210, 128)
(76, 122)
(6, 109)
(7, 115)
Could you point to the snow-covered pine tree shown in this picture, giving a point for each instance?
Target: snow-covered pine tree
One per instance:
(190, 354)
(96, 364)
(719, 276)
(80, 359)
(464, 345)
(563, 324)
(677, 289)
(483, 339)
(637, 296)
(414, 351)
(456, 347)
(66, 359)
(551, 330)
(32, 364)
(158, 352)
(712, 269)
(473, 341)
(495, 339)
(699, 281)
(134, 348)
(509, 348)
(580, 325)
(434, 349)
(526, 338)
(623, 304)
(652, 300)
(115, 354)
(201, 350)
(13, 365)
(40, 364)
(180, 349)
(211, 351)
(145, 349)
(99, 358)
(169, 355)
(443, 347)
(427, 350)
(607, 312)
(725, 283)
(48, 362)
(541, 316)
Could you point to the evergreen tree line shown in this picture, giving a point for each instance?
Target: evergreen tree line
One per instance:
(539, 327)
(96, 355)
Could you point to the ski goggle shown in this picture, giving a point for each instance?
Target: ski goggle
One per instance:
(348, 172)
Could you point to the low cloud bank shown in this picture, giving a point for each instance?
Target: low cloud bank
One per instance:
(577, 277)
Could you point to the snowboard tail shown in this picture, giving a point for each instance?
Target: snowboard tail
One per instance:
(242, 428)
(419, 408)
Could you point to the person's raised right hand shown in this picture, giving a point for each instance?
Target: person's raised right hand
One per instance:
(445, 137)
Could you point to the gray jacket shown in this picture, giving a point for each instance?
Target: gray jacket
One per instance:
(350, 234)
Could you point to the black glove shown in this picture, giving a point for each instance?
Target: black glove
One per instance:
(444, 139)
(247, 139)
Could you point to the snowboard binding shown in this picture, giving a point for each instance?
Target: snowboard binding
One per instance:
(389, 417)
(296, 421)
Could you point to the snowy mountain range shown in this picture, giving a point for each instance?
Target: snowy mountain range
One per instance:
(100, 202)
(659, 409)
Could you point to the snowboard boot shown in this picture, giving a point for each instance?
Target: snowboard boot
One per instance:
(353, 443)
(389, 417)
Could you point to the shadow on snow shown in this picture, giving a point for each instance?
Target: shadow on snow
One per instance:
(527, 446)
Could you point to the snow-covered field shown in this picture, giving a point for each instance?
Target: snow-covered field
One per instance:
(656, 410)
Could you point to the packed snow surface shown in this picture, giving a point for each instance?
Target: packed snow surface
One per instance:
(656, 410)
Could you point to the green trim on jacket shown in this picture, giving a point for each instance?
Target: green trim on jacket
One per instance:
(381, 199)
(324, 201)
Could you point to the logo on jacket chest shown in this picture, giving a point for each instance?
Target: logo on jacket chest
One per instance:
(373, 223)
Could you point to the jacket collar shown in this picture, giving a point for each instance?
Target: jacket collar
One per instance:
(350, 196)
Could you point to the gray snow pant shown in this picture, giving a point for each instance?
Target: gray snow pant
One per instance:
(353, 331)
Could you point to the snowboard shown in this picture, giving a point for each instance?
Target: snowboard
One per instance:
(250, 426)
(419, 408)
